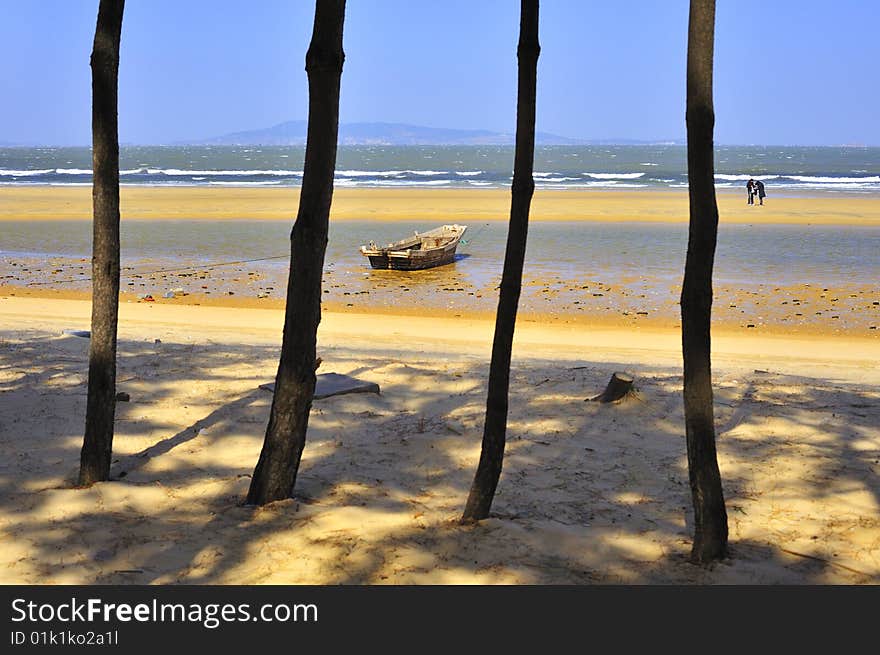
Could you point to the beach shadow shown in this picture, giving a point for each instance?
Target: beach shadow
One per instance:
(130, 463)
(590, 493)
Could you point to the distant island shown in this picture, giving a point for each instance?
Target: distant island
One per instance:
(293, 133)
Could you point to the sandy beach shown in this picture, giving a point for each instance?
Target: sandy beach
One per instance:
(417, 199)
(638, 291)
(590, 493)
(436, 205)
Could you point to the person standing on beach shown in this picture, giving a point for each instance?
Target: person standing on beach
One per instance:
(759, 189)
(750, 187)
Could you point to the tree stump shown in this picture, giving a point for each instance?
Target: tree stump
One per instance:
(619, 386)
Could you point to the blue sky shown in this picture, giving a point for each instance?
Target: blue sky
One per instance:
(786, 71)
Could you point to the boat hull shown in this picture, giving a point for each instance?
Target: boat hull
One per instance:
(378, 261)
(429, 260)
(428, 250)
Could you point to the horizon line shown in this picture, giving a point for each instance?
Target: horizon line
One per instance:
(607, 142)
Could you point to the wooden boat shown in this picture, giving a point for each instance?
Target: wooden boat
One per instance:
(422, 250)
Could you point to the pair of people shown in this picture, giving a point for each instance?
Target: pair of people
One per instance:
(755, 188)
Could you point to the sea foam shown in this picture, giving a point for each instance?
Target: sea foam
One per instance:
(743, 178)
(26, 173)
(179, 172)
(835, 180)
(615, 176)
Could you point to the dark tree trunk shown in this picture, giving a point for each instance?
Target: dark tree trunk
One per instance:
(710, 516)
(494, 431)
(101, 404)
(275, 474)
(619, 386)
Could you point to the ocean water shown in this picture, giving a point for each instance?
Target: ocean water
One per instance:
(786, 170)
(780, 254)
(746, 254)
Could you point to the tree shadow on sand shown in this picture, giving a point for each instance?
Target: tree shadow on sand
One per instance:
(590, 493)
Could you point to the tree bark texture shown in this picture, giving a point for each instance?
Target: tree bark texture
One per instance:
(488, 471)
(275, 474)
(101, 402)
(619, 385)
(710, 515)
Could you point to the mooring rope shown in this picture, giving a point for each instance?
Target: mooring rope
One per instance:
(466, 242)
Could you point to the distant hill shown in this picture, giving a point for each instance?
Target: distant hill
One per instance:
(293, 133)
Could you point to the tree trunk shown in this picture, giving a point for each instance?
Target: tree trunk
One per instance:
(494, 431)
(101, 403)
(710, 516)
(275, 473)
(618, 386)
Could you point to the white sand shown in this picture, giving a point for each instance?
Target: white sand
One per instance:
(589, 493)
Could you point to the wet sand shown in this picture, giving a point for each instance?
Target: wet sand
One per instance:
(848, 307)
(436, 205)
(800, 309)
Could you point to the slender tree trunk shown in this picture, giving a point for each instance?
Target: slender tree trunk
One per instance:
(275, 474)
(710, 516)
(101, 403)
(494, 430)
